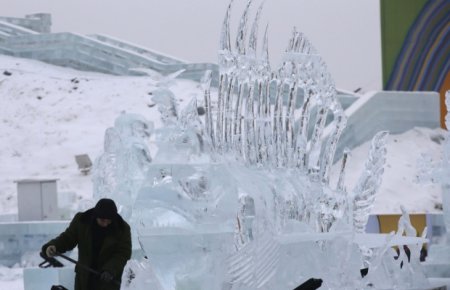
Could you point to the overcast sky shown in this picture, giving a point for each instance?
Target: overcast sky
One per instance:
(346, 32)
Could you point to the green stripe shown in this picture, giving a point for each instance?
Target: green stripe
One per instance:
(396, 18)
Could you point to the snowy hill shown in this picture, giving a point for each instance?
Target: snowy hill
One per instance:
(50, 114)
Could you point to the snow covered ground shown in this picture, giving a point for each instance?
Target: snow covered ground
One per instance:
(49, 114)
(11, 278)
(400, 185)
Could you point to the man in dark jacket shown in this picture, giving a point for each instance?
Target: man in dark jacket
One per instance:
(104, 244)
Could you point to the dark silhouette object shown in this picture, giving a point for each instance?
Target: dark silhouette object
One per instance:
(7, 73)
(104, 245)
(201, 111)
(52, 262)
(423, 254)
(84, 163)
(110, 278)
(364, 272)
(49, 262)
(310, 284)
(58, 287)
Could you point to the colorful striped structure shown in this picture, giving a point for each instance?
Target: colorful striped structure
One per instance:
(416, 45)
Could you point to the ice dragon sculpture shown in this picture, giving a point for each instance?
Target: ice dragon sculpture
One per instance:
(239, 195)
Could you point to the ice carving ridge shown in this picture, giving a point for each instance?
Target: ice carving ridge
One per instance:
(263, 122)
(369, 181)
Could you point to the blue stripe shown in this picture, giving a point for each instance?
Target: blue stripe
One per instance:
(394, 73)
(422, 26)
(422, 41)
(423, 54)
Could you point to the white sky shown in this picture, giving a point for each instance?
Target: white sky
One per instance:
(346, 32)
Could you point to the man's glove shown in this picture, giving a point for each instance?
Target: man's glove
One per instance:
(106, 276)
(50, 251)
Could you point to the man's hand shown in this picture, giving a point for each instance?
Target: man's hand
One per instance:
(106, 276)
(50, 251)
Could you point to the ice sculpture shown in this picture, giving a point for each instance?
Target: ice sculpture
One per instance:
(403, 272)
(120, 170)
(240, 197)
(439, 172)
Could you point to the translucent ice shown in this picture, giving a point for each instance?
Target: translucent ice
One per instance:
(439, 171)
(121, 169)
(240, 197)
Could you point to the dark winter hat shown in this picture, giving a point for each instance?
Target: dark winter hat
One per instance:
(105, 209)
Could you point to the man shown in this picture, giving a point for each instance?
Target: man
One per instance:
(104, 244)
